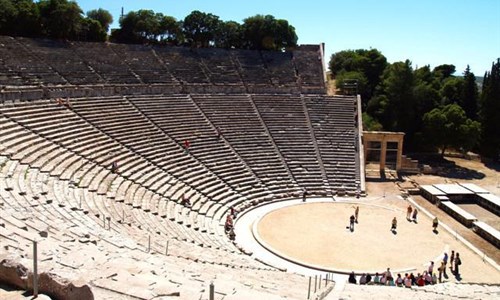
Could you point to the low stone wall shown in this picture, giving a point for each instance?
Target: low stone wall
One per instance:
(15, 274)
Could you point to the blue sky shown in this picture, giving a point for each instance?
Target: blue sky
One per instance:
(427, 32)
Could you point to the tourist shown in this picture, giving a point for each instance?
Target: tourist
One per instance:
(452, 259)
(394, 224)
(434, 278)
(399, 281)
(413, 279)
(356, 213)
(441, 270)
(430, 269)
(388, 274)
(186, 145)
(233, 212)
(229, 223)
(427, 277)
(114, 166)
(420, 280)
(351, 223)
(445, 262)
(185, 201)
(219, 133)
(352, 278)
(304, 195)
(415, 213)
(407, 281)
(362, 279)
(408, 213)
(376, 279)
(368, 278)
(435, 223)
(457, 262)
(232, 235)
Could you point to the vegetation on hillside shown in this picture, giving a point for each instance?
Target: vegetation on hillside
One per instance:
(436, 109)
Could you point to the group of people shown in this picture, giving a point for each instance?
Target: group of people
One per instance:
(429, 276)
(411, 214)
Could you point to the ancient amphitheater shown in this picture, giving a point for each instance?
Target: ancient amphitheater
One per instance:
(100, 144)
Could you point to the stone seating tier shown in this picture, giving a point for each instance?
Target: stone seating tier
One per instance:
(35, 62)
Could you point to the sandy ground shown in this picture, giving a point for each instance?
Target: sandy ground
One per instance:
(318, 235)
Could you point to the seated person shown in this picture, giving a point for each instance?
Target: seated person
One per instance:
(420, 280)
(407, 281)
(399, 280)
(362, 279)
(368, 279)
(232, 235)
(114, 167)
(376, 279)
(229, 223)
(352, 278)
(428, 278)
(185, 201)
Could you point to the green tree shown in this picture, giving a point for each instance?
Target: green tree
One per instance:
(60, 19)
(103, 16)
(371, 63)
(442, 72)
(489, 112)
(268, 33)
(170, 31)
(8, 14)
(397, 86)
(200, 28)
(449, 127)
(351, 76)
(228, 35)
(451, 90)
(370, 124)
(470, 95)
(91, 31)
(139, 27)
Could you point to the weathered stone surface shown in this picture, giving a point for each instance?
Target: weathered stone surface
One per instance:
(15, 274)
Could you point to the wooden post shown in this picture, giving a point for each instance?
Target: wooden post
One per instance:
(315, 282)
(35, 270)
(166, 248)
(149, 243)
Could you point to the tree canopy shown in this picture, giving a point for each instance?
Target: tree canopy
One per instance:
(59, 19)
(396, 97)
(64, 19)
(489, 112)
(449, 127)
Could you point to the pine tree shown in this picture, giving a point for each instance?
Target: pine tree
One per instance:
(490, 110)
(470, 95)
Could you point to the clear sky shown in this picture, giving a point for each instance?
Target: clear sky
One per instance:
(427, 32)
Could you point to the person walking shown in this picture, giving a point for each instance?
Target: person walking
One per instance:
(457, 262)
(408, 212)
(445, 262)
(394, 224)
(435, 224)
(452, 260)
(415, 213)
(441, 270)
(351, 223)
